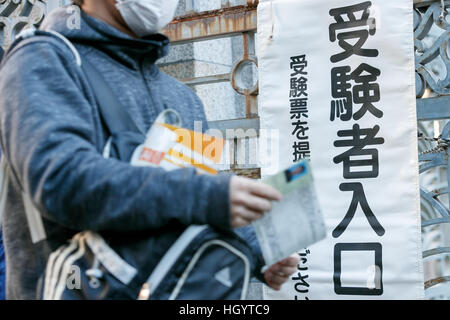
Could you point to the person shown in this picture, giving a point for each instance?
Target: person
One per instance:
(53, 138)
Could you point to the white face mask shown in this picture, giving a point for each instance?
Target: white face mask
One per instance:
(145, 17)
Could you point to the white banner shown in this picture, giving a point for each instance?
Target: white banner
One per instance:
(337, 80)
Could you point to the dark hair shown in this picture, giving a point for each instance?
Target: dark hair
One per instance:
(78, 2)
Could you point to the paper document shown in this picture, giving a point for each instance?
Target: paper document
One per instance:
(171, 147)
(294, 223)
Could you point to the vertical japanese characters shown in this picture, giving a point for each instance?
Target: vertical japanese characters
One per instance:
(356, 95)
(300, 278)
(299, 107)
(298, 99)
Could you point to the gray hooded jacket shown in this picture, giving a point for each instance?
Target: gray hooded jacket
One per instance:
(53, 138)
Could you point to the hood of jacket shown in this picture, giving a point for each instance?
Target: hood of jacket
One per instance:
(83, 29)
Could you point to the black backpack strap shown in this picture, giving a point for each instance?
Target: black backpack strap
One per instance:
(113, 113)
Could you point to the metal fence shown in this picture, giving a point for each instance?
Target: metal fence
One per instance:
(432, 36)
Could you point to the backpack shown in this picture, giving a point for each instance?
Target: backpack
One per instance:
(203, 263)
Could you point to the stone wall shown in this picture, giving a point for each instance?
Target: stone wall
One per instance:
(208, 58)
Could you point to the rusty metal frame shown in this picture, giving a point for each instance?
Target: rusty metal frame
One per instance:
(213, 24)
(225, 22)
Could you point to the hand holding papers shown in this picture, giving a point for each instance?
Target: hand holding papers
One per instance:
(294, 223)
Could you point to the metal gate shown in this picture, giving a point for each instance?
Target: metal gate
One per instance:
(432, 50)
